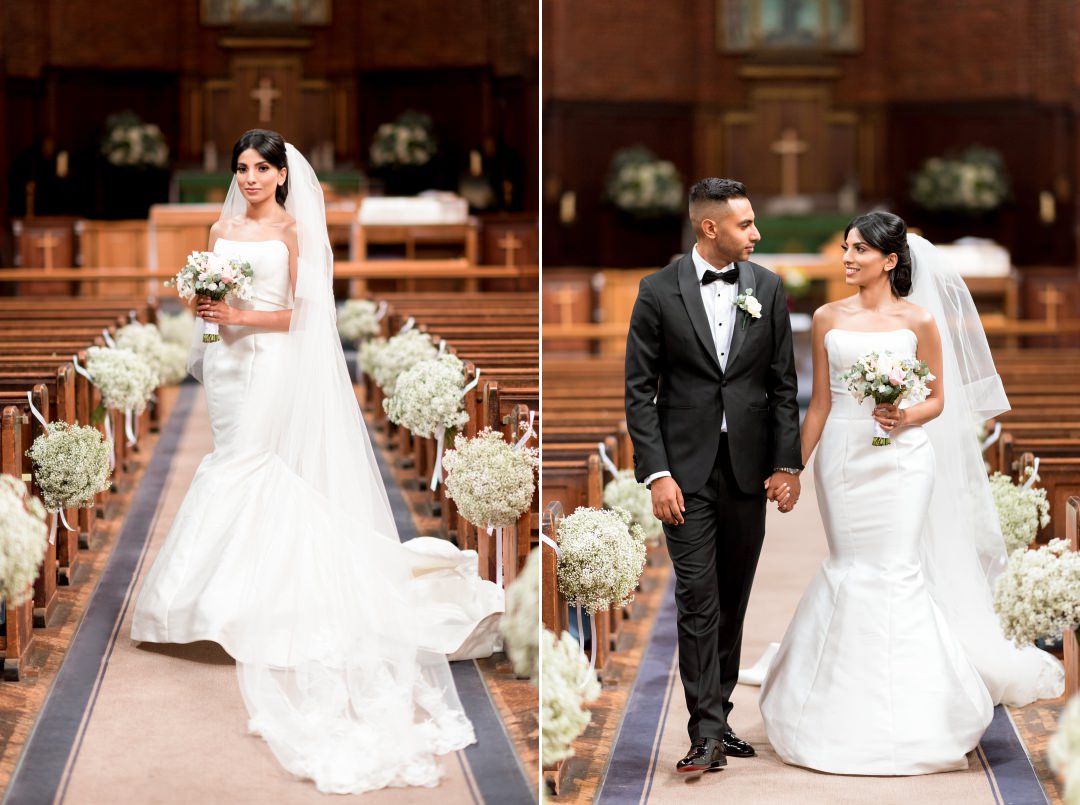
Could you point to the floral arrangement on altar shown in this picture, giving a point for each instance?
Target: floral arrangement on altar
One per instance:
(1038, 594)
(358, 319)
(215, 277)
(71, 465)
(126, 381)
(428, 396)
(642, 185)
(973, 181)
(518, 624)
(1064, 750)
(564, 670)
(396, 356)
(601, 557)
(409, 141)
(887, 378)
(23, 540)
(129, 142)
(146, 342)
(624, 492)
(1021, 510)
(490, 480)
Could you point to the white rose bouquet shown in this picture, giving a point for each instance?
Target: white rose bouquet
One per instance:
(71, 465)
(398, 355)
(216, 277)
(1038, 594)
(1021, 511)
(23, 540)
(126, 381)
(887, 378)
(601, 557)
(624, 492)
(519, 623)
(564, 669)
(1064, 750)
(490, 480)
(358, 319)
(427, 397)
(146, 342)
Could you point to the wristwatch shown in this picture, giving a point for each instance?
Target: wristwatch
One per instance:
(788, 470)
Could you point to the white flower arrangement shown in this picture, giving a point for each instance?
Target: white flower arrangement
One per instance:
(126, 381)
(408, 141)
(1021, 511)
(1038, 594)
(644, 186)
(886, 377)
(748, 304)
(974, 181)
(564, 669)
(624, 492)
(71, 465)
(358, 319)
(428, 396)
(174, 363)
(368, 354)
(130, 142)
(1064, 750)
(211, 275)
(519, 623)
(177, 328)
(146, 342)
(601, 557)
(23, 540)
(398, 355)
(489, 480)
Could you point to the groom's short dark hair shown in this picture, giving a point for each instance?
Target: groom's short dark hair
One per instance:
(716, 190)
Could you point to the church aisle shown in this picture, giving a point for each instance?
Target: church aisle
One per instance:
(163, 724)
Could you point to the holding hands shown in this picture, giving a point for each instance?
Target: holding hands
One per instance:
(783, 488)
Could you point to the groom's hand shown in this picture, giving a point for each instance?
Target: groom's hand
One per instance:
(784, 488)
(667, 501)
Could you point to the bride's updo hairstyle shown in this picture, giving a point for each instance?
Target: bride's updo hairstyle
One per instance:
(888, 234)
(271, 147)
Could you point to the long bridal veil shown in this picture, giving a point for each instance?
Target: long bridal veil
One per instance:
(963, 551)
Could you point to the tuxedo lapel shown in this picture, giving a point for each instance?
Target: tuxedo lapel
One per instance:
(746, 280)
(690, 290)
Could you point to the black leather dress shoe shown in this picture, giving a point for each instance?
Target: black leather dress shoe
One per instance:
(706, 754)
(736, 747)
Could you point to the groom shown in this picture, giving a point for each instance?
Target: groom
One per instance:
(711, 410)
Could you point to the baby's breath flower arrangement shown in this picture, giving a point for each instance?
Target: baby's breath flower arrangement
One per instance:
(564, 670)
(23, 540)
(125, 379)
(400, 354)
(71, 465)
(1021, 511)
(358, 319)
(1064, 750)
(624, 492)
(368, 354)
(1038, 594)
(489, 480)
(177, 328)
(174, 363)
(518, 624)
(427, 397)
(146, 342)
(601, 556)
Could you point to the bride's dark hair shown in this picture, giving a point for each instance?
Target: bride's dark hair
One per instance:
(271, 147)
(888, 234)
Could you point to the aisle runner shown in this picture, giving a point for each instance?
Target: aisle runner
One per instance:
(653, 735)
(166, 724)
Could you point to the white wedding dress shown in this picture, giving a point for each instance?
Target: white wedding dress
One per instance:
(870, 678)
(340, 632)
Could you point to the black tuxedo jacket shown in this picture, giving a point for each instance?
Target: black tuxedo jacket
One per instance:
(677, 395)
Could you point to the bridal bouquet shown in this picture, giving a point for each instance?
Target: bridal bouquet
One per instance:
(1021, 511)
(564, 669)
(126, 381)
(23, 540)
(624, 492)
(71, 465)
(490, 480)
(518, 624)
(398, 355)
(215, 277)
(427, 397)
(887, 378)
(601, 556)
(1038, 594)
(1064, 750)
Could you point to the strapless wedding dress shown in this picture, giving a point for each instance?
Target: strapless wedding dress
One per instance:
(340, 631)
(869, 678)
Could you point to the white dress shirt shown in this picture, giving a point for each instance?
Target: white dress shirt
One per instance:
(719, 300)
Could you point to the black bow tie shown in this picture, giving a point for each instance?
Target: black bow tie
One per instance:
(729, 276)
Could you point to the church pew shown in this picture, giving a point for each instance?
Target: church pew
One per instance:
(1060, 477)
(18, 633)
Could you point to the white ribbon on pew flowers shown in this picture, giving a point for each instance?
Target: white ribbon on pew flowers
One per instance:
(568, 682)
(1064, 750)
(23, 540)
(126, 381)
(1038, 594)
(1021, 511)
(519, 622)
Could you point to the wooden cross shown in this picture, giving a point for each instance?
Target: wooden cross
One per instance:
(510, 244)
(1052, 298)
(789, 146)
(565, 299)
(47, 243)
(265, 95)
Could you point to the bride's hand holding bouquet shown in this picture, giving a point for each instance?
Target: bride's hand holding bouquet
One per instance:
(887, 379)
(212, 278)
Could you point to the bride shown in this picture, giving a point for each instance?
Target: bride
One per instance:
(894, 659)
(284, 550)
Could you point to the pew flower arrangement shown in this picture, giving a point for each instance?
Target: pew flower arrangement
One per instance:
(408, 141)
(601, 557)
(368, 354)
(23, 540)
(886, 377)
(216, 277)
(1064, 750)
(358, 320)
(490, 480)
(624, 492)
(398, 355)
(177, 328)
(126, 381)
(129, 142)
(564, 669)
(71, 465)
(640, 184)
(972, 182)
(174, 363)
(1038, 594)
(427, 397)
(518, 624)
(146, 342)
(1021, 511)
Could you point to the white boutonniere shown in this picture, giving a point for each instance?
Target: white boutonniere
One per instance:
(748, 304)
